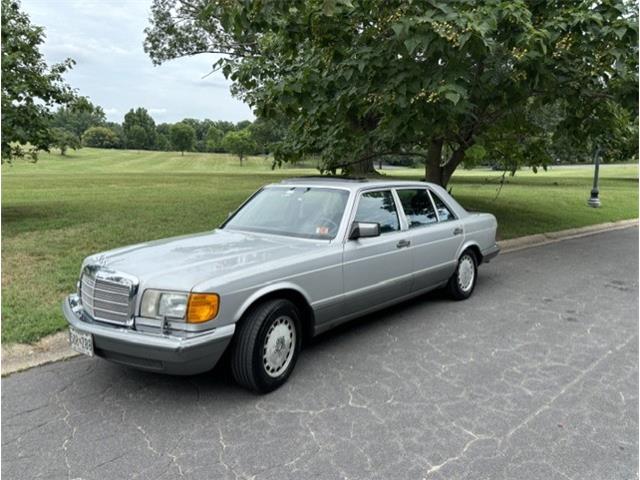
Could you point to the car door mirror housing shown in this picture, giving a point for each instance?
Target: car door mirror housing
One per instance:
(364, 230)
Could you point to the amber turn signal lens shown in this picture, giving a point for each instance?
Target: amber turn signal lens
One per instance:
(202, 307)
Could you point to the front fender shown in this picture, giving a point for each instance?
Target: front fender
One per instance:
(267, 290)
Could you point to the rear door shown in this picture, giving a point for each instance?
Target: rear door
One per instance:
(435, 234)
(379, 269)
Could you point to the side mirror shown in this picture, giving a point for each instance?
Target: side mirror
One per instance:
(364, 230)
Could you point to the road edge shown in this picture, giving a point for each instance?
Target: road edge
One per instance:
(17, 357)
(539, 239)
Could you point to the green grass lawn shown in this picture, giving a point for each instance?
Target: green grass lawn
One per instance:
(61, 209)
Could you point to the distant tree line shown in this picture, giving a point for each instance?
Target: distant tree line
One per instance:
(83, 123)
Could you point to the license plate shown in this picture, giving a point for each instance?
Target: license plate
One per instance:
(81, 342)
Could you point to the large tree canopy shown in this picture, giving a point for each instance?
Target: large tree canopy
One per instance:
(450, 81)
(29, 87)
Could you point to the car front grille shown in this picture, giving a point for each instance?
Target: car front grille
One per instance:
(107, 296)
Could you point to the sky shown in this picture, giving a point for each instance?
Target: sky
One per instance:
(105, 39)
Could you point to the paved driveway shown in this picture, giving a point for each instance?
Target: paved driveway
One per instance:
(536, 376)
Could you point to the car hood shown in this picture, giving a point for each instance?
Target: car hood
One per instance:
(180, 263)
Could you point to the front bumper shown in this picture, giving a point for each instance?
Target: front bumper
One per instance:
(178, 355)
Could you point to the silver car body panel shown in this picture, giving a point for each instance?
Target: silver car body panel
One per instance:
(339, 279)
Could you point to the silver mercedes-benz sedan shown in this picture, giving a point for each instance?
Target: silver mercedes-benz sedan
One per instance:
(296, 259)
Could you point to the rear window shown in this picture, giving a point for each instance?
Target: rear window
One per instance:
(444, 213)
(417, 207)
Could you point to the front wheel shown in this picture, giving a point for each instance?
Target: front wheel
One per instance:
(463, 280)
(266, 346)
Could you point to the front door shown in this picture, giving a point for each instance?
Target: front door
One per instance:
(377, 270)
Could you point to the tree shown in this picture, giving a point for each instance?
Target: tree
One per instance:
(267, 134)
(119, 131)
(163, 143)
(183, 137)
(448, 82)
(64, 139)
(78, 116)
(101, 137)
(163, 135)
(137, 138)
(29, 86)
(139, 129)
(239, 143)
(214, 139)
(201, 128)
(224, 126)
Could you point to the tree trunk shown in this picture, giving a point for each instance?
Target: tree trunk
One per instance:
(241, 159)
(362, 168)
(456, 159)
(433, 170)
(437, 173)
(182, 153)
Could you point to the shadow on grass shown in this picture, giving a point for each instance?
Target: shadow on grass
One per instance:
(22, 212)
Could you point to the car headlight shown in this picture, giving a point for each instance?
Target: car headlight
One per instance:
(156, 303)
(194, 307)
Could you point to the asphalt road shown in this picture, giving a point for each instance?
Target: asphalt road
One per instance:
(534, 377)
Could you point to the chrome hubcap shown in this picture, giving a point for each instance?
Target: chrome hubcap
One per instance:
(466, 273)
(279, 346)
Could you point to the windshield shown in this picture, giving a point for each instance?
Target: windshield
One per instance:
(306, 212)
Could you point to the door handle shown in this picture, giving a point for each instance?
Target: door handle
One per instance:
(457, 231)
(403, 243)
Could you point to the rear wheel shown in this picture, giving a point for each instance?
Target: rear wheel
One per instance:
(266, 346)
(463, 280)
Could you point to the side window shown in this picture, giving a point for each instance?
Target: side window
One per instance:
(443, 211)
(417, 207)
(378, 207)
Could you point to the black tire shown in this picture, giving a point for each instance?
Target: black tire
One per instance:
(455, 287)
(249, 364)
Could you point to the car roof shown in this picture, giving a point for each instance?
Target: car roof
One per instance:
(349, 183)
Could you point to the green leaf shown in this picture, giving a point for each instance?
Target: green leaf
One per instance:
(453, 97)
(464, 38)
(328, 7)
(620, 32)
(398, 28)
(411, 44)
